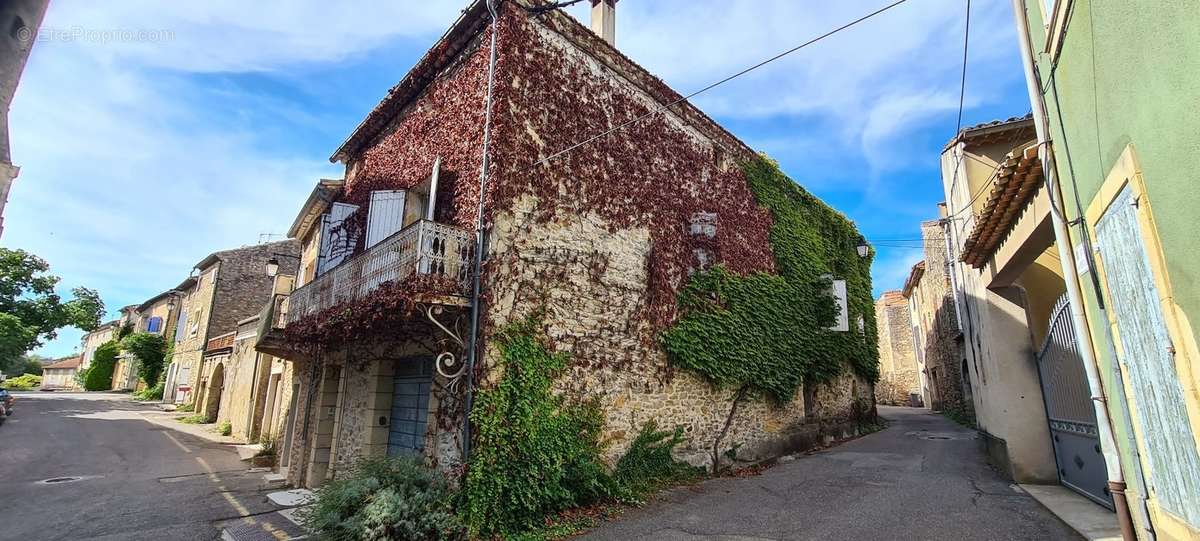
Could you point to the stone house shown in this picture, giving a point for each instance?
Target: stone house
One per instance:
(937, 339)
(598, 242)
(899, 374)
(60, 374)
(226, 287)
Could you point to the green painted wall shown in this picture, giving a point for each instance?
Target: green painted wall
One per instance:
(1129, 72)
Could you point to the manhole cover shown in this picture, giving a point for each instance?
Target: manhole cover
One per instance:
(54, 480)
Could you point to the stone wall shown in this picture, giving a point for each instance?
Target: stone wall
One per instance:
(898, 372)
(939, 339)
(592, 283)
(243, 287)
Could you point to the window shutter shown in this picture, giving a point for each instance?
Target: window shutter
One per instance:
(837, 290)
(433, 188)
(154, 324)
(181, 325)
(336, 243)
(385, 216)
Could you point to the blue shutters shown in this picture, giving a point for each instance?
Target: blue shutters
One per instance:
(154, 324)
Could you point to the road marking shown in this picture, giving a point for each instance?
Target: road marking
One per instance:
(229, 498)
(176, 442)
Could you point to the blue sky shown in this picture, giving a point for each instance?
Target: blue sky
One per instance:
(201, 125)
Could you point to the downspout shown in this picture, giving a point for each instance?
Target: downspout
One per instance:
(1108, 444)
(472, 343)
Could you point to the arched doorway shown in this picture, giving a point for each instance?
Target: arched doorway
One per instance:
(212, 393)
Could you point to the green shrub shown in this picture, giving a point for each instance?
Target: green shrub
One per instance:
(150, 393)
(23, 382)
(535, 453)
(194, 419)
(185, 407)
(150, 349)
(384, 499)
(648, 465)
(100, 372)
(225, 428)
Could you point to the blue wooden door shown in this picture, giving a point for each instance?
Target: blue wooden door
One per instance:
(410, 407)
(1148, 356)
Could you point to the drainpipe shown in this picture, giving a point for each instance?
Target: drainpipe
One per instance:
(478, 263)
(1108, 444)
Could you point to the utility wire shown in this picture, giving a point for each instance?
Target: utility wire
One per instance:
(661, 108)
(962, 89)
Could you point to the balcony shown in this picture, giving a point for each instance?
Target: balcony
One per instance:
(423, 248)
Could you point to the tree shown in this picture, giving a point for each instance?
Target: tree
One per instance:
(150, 350)
(31, 312)
(104, 360)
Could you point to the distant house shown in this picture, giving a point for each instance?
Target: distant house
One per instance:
(94, 339)
(228, 286)
(61, 373)
(899, 373)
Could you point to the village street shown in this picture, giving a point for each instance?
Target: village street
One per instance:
(137, 480)
(921, 478)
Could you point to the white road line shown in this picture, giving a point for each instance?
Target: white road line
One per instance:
(176, 441)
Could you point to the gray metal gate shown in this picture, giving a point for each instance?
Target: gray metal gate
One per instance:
(410, 407)
(1070, 411)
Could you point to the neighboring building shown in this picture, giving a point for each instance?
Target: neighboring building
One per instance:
(1010, 290)
(20, 21)
(937, 339)
(1118, 83)
(124, 376)
(94, 339)
(374, 328)
(899, 374)
(229, 286)
(157, 315)
(61, 373)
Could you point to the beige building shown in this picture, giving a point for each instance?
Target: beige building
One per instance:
(61, 373)
(899, 374)
(92, 340)
(937, 340)
(227, 287)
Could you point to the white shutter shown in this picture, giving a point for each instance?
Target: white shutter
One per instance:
(837, 290)
(433, 188)
(385, 216)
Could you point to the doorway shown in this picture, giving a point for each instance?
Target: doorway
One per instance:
(213, 391)
(410, 407)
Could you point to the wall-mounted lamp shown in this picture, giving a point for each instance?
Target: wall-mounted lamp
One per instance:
(863, 247)
(273, 263)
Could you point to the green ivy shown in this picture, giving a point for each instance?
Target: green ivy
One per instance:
(150, 350)
(100, 372)
(536, 453)
(770, 331)
(649, 466)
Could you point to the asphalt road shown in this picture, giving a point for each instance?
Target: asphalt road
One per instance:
(923, 477)
(138, 480)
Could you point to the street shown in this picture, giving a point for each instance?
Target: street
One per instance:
(136, 480)
(923, 477)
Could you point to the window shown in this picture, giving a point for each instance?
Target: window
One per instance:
(837, 290)
(154, 324)
(195, 327)
(336, 241)
(385, 215)
(181, 325)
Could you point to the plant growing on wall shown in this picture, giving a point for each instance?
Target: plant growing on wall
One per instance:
(100, 372)
(150, 350)
(769, 333)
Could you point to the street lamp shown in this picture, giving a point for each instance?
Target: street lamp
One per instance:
(272, 267)
(863, 247)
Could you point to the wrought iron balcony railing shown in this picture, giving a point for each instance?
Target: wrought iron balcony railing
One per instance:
(424, 247)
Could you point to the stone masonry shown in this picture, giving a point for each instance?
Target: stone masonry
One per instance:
(899, 375)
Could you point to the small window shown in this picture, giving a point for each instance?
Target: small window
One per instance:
(837, 290)
(154, 324)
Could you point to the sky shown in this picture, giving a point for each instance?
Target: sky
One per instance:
(150, 134)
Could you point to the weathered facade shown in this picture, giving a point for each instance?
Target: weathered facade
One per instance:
(228, 286)
(899, 374)
(937, 339)
(61, 373)
(598, 243)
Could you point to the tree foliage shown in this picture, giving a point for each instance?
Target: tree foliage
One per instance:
(150, 349)
(31, 311)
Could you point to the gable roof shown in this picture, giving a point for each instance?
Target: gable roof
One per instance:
(1016, 129)
(914, 278)
(473, 20)
(65, 362)
(231, 253)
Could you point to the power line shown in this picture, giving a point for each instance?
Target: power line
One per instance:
(962, 89)
(716, 84)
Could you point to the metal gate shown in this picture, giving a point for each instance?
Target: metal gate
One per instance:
(1069, 410)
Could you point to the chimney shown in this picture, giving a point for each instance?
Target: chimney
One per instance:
(604, 20)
